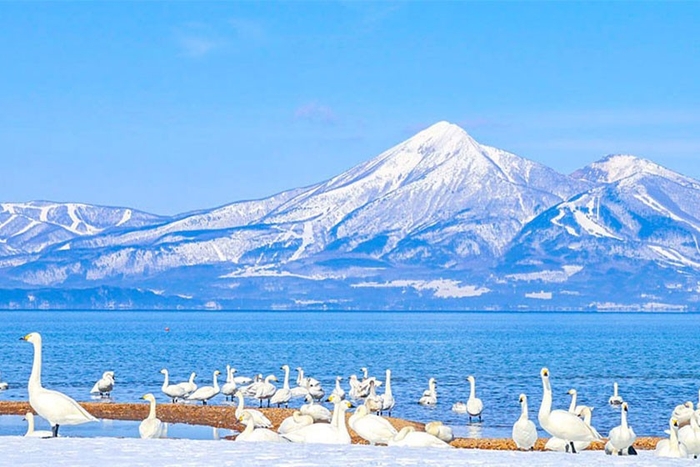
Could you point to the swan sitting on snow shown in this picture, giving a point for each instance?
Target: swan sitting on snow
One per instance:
(104, 385)
(373, 428)
(622, 436)
(430, 395)
(408, 436)
(151, 427)
(615, 399)
(560, 423)
(671, 447)
(690, 436)
(294, 422)
(318, 412)
(259, 418)
(682, 413)
(53, 406)
(205, 393)
(474, 404)
(440, 431)
(524, 430)
(31, 432)
(256, 434)
(324, 433)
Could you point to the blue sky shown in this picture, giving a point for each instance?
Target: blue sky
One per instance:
(171, 107)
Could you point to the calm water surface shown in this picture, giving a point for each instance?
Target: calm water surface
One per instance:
(652, 356)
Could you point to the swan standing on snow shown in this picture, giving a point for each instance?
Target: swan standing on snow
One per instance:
(173, 391)
(408, 436)
(690, 436)
(671, 447)
(615, 399)
(205, 393)
(524, 430)
(430, 395)
(252, 434)
(373, 428)
(53, 406)
(151, 426)
(104, 385)
(622, 436)
(228, 389)
(189, 386)
(294, 422)
(283, 395)
(440, 431)
(260, 420)
(31, 432)
(474, 404)
(559, 423)
(388, 401)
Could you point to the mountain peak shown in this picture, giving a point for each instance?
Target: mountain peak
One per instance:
(615, 167)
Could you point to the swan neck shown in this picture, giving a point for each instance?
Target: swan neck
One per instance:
(216, 383)
(615, 389)
(166, 380)
(152, 411)
(35, 377)
(336, 414)
(341, 425)
(387, 388)
(286, 378)
(572, 406)
(472, 389)
(524, 412)
(546, 406)
(249, 427)
(623, 421)
(673, 438)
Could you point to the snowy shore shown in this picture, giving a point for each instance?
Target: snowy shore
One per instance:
(88, 452)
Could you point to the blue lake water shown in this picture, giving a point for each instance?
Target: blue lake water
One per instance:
(651, 356)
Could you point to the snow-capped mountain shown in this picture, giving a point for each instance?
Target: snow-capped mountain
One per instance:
(438, 220)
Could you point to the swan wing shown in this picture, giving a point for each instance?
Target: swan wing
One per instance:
(58, 408)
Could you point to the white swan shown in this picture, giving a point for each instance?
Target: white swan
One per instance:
(151, 426)
(318, 412)
(690, 436)
(615, 399)
(173, 391)
(323, 433)
(474, 404)
(260, 420)
(338, 391)
(53, 406)
(294, 422)
(388, 401)
(524, 429)
(559, 445)
(355, 387)
(283, 395)
(430, 396)
(31, 432)
(671, 447)
(228, 389)
(622, 436)
(573, 408)
(189, 386)
(305, 381)
(559, 423)
(408, 436)
(682, 413)
(373, 402)
(440, 431)
(252, 434)
(205, 393)
(373, 428)
(3, 386)
(459, 407)
(104, 385)
(266, 390)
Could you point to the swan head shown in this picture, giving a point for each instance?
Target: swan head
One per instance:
(470, 378)
(338, 378)
(689, 404)
(572, 392)
(108, 374)
(625, 407)
(216, 373)
(164, 371)
(522, 398)
(284, 367)
(673, 423)
(33, 337)
(544, 373)
(148, 397)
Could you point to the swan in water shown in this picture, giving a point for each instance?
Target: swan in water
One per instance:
(266, 390)
(373, 428)
(671, 447)
(690, 436)
(338, 391)
(388, 401)
(151, 426)
(173, 391)
(440, 431)
(104, 385)
(559, 445)
(228, 389)
(559, 423)
(524, 430)
(283, 395)
(53, 406)
(335, 432)
(240, 380)
(474, 404)
(205, 393)
(459, 407)
(259, 418)
(682, 413)
(31, 432)
(318, 412)
(294, 422)
(622, 436)
(430, 395)
(189, 386)
(373, 402)
(408, 436)
(615, 399)
(253, 434)
(355, 387)
(3, 385)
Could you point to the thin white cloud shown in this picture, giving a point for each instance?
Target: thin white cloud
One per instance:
(195, 47)
(249, 30)
(315, 112)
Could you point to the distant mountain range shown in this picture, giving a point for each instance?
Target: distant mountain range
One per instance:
(436, 222)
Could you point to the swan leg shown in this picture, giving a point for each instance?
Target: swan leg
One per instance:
(631, 451)
(573, 448)
(54, 431)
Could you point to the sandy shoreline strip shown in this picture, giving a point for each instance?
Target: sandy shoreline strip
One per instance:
(221, 416)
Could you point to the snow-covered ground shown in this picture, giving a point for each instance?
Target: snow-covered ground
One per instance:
(75, 452)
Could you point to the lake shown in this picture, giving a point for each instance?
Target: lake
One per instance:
(651, 356)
